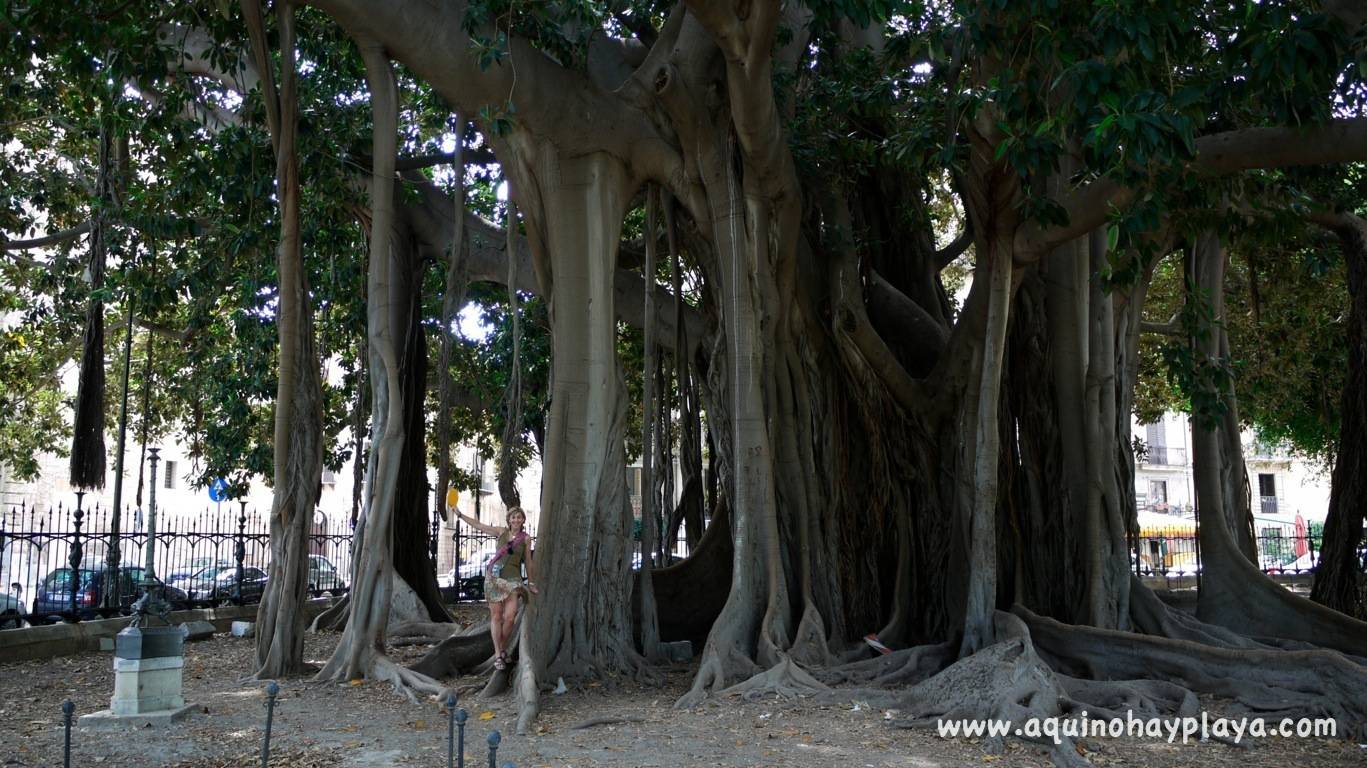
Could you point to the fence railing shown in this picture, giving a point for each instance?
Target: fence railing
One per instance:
(66, 562)
(1176, 552)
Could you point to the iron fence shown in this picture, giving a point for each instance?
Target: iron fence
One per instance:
(1175, 552)
(207, 557)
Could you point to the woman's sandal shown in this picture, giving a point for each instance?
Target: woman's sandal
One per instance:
(500, 662)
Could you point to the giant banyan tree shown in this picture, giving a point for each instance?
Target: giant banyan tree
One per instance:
(956, 478)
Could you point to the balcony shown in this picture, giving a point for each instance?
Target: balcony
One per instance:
(1163, 456)
(1268, 504)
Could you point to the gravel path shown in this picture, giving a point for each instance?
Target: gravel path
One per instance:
(368, 725)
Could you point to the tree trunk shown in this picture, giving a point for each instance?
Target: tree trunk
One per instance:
(412, 526)
(512, 398)
(580, 625)
(452, 297)
(360, 652)
(87, 434)
(298, 411)
(1221, 476)
(1234, 593)
(982, 528)
(649, 622)
(1339, 579)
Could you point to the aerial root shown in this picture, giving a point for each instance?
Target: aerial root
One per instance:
(334, 618)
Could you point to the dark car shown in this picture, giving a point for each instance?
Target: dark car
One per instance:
(218, 584)
(53, 599)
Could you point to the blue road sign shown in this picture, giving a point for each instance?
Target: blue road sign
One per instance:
(218, 490)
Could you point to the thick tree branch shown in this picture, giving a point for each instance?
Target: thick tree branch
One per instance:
(915, 323)
(955, 249)
(1165, 329)
(475, 155)
(1220, 154)
(192, 48)
(488, 262)
(549, 100)
(46, 240)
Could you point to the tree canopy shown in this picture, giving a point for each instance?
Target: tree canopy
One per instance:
(1157, 202)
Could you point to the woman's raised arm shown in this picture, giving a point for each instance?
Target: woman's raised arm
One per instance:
(492, 530)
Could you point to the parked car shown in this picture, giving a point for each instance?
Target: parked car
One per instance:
(186, 570)
(220, 583)
(10, 608)
(53, 598)
(474, 566)
(468, 577)
(323, 576)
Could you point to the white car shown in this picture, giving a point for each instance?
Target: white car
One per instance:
(474, 566)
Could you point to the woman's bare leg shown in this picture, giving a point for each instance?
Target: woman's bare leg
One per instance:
(496, 626)
(509, 617)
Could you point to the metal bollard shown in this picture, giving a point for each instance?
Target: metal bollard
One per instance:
(272, 690)
(450, 729)
(494, 739)
(461, 717)
(67, 710)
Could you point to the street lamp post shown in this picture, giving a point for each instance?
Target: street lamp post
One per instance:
(149, 572)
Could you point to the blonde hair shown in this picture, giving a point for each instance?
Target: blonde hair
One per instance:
(508, 517)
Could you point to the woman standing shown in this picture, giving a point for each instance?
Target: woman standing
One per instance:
(503, 577)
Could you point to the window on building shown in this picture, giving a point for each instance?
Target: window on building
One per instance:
(1267, 492)
(634, 481)
(1157, 439)
(170, 475)
(1158, 494)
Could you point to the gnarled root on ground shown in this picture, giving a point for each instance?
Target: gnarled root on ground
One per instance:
(718, 665)
(405, 681)
(785, 680)
(1004, 681)
(1274, 683)
(1140, 699)
(378, 667)
(906, 666)
(421, 633)
(1152, 616)
(462, 652)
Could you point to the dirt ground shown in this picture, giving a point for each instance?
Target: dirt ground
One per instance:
(369, 725)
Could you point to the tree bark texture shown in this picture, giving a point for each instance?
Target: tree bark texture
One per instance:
(298, 410)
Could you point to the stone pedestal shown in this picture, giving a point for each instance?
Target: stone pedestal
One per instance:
(148, 662)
